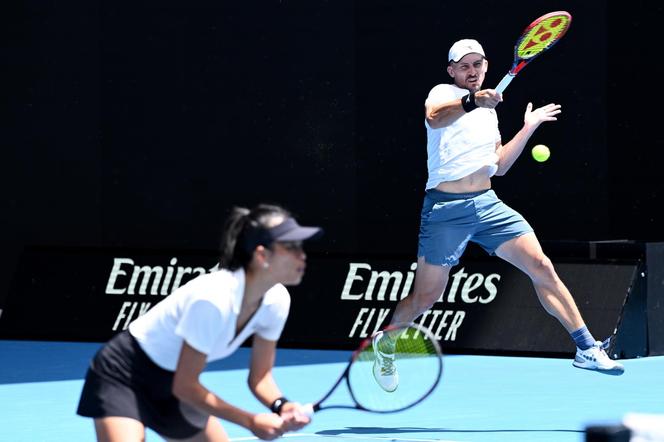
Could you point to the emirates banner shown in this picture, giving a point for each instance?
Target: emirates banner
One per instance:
(488, 305)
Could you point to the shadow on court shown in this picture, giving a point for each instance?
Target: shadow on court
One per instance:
(402, 430)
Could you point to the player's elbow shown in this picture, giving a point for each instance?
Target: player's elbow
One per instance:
(437, 119)
(431, 116)
(434, 122)
(253, 382)
(502, 169)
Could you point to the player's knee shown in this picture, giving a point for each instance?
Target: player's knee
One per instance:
(543, 269)
(424, 299)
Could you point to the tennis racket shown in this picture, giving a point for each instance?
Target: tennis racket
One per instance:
(419, 364)
(539, 36)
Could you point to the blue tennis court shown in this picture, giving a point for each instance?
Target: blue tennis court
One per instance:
(481, 398)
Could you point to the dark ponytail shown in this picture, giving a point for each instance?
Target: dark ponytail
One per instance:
(234, 252)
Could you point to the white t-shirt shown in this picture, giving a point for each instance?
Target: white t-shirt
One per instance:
(464, 146)
(204, 313)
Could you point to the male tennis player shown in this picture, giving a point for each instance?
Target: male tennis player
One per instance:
(464, 151)
(148, 376)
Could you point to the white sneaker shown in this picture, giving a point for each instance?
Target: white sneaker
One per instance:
(384, 370)
(595, 358)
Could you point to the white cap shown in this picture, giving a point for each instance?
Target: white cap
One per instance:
(464, 47)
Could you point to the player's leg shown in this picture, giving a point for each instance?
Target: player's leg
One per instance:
(525, 252)
(430, 282)
(447, 223)
(213, 432)
(503, 231)
(119, 429)
(446, 226)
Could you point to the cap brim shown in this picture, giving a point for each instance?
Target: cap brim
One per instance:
(469, 52)
(301, 233)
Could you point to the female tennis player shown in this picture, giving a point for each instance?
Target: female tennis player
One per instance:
(148, 375)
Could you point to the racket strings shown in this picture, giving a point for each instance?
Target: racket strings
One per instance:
(408, 354)
(543, 35)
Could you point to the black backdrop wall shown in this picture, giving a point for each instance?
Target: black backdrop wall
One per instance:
(140, 124)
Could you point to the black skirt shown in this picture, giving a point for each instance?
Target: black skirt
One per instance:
(123, 381)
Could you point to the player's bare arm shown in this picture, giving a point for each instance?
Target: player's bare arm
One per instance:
(508, 153)
(187, 388)
(443, 114)
(260, 380)
(264, 387)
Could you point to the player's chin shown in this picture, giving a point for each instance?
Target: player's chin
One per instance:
(296, 278)
(473, 86)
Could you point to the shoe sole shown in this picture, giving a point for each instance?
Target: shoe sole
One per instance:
(609, 371)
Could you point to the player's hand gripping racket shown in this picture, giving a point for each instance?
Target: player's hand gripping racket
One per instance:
(418, 363)
(539, 36)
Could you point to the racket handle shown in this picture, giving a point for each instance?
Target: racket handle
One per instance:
(504, 82)
(308, 410)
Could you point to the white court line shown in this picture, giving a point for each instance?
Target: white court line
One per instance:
(343, 436)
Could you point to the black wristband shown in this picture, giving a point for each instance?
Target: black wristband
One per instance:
(278, 404)
(468, 102)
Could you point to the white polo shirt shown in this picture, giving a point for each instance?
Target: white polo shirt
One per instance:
(466, 145)
(204, 313)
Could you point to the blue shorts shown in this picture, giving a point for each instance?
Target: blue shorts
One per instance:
(450, 220)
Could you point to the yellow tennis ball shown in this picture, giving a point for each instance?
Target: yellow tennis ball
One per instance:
(541, 153)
